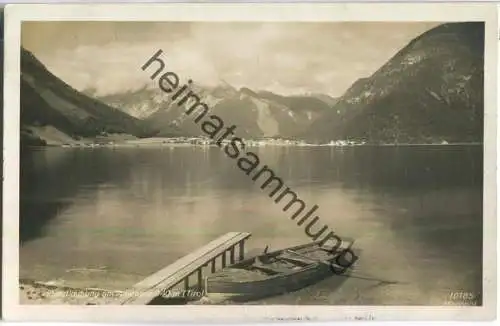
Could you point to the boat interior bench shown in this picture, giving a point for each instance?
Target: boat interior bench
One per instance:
(272, 270)
(298, 261)
(295, 256)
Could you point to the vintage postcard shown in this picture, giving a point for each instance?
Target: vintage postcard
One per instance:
(250, 162)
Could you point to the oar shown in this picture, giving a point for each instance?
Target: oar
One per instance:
(373, 279)
(346, 275)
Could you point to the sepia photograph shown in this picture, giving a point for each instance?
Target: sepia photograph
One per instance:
(235, 162)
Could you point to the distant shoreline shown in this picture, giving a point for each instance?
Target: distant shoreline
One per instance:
(200, 142)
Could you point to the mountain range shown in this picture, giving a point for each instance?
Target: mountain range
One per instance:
(430, 91)
(256, 114)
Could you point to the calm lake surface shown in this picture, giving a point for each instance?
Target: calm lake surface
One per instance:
(109, 217)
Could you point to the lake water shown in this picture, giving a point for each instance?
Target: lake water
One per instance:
(109, 217)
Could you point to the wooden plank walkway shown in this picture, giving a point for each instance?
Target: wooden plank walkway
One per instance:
(145, 291)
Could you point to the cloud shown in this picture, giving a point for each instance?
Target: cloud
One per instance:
(281, 57)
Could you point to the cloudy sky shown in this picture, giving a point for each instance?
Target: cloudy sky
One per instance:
(287, 58)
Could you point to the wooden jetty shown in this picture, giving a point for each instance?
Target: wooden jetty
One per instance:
(145, 291)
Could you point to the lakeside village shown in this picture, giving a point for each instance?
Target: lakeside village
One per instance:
(205, 141)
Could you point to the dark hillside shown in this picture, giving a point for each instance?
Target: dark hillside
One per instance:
(431, 91)
(48, 101)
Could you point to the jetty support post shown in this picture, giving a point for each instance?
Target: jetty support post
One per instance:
(242, 249)
(213, 265)
(231, 255)
(200, 278)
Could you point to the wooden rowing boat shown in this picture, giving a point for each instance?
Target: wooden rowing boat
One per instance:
(273, 273)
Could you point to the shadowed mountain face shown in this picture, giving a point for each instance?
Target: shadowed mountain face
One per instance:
(256, 114)
(432, 90)
(52, 111)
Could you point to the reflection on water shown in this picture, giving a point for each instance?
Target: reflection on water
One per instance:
(109, 217)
